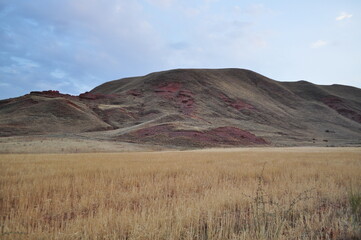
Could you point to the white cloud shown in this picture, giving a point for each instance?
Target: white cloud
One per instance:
(2, 84)
(57, 73)
(26, 63)
(210, 1)
(191, 12)
(253, 10)
(343, 15)
(259, 42)
(162, 3)
(8, 69)
(256, 9)
(318, 44)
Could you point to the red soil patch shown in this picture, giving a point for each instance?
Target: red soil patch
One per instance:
(236, 103)
(95, 96)
(171, 87)
(342, 108)
(183, 98)
(135, 93)
(237, 134)
(213, 137)
(185, 101)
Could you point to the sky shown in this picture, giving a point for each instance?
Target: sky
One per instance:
(75, 45)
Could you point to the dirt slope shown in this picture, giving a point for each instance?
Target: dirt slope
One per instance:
(47, 112)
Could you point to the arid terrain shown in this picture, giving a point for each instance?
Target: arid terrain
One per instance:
(183, 109)
(200, 154)
(247, 193)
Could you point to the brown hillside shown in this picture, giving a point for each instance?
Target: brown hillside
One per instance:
(195, 108)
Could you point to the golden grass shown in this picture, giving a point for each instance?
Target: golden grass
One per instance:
(300, 194)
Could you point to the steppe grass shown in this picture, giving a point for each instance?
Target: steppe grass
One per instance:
(247, 194)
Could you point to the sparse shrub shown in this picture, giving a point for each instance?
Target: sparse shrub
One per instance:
(269, 216)
(355, 206)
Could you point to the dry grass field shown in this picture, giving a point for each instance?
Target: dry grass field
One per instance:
(238, 194)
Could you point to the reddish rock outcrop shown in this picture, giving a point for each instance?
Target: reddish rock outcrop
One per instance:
(183, 98)
(169, 90)
(342, 108)
(135, 93)
(236, 103)
(50, 94)
(213, 137)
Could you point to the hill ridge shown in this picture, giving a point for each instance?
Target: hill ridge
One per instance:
(184, 107)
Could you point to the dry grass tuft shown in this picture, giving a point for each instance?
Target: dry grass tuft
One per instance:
(249, 194)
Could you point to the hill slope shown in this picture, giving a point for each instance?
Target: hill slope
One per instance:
(195, 108)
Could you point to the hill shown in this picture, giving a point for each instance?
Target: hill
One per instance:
(193, 108)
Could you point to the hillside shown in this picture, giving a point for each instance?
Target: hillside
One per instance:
(194, 108)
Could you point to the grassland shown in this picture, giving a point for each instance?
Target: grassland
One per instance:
(239, 194)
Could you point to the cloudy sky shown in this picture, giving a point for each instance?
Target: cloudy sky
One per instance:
(75, 45)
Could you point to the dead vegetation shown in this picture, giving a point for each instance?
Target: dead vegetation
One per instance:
(248, 194)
